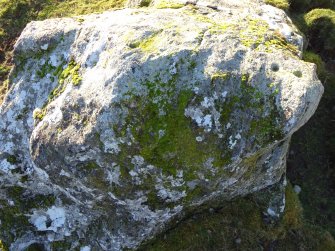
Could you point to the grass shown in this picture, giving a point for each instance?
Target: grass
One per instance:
(321, 31)
(239, 225)
(281, 4)
(312, 57)
(57, 8)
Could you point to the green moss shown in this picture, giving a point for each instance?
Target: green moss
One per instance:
(277, 41)
(251, 164)
(254, 33)
(39, 114)
(192, 65)
(78, 7)
(166, 4)
(2, 246)
(4, 87)
(60, 245)
(145, 3)
(13, 223)
(215, 27)
(166, 138)
(293, 217)
(26, 201)
(298, 74)
(14, 218)
(178, 137)
(35, 247)
(91, 165)
(311, 57)
(266, 124)
(4, 70)
(321, 30)
(23, 113)
(44, 70)
(12, 159)
(220, 76)
(266, 128)
(281, 4)
(177, 148)
(69, 74)
(149, 44)
(242, 219)
(97, 179)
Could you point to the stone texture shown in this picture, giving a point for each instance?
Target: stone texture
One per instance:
(119, 124)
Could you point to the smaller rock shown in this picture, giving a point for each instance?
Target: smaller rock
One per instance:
(86, 248)
(44, 47)
(297, 189)
(238, 241)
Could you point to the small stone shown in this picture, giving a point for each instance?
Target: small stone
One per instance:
(297, 189)
(44, 47)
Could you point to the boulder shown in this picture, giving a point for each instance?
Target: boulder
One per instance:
(118, 125)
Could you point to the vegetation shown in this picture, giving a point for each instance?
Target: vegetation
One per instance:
(240, 225)
(58, 8)
(312, 163)
(281, 4)
(321, 31)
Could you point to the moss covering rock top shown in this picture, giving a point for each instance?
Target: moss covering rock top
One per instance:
(129, 120)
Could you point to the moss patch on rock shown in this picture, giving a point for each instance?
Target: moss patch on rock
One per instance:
(70, 74)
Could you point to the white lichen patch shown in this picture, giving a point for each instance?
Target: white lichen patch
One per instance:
(5, 166)
(52, 219)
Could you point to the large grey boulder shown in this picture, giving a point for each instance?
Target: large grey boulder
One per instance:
(119, 124)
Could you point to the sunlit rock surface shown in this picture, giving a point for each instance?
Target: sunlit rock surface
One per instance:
(119, 124)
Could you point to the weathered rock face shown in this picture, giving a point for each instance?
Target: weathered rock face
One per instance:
(118, 124)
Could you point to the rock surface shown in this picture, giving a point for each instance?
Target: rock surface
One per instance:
(119, 124)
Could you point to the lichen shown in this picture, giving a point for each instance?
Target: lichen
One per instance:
(256, 34)
(219, 75)
(215, 27)
(277, 41)
(149, 44)
(166, 4)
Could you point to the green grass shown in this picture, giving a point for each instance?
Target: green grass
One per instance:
(281, 4)
(306, 5)
(57, 8)
(321, 31)
(239, 225)
(312, 57)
